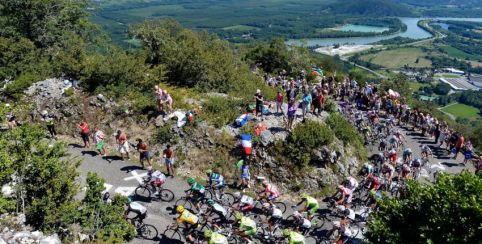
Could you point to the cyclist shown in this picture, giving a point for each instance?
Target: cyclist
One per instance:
(351, 183)
(346, 195)
(393, 155)
(367, 169)
(197, 191)
(293, 237)
(247, 226)
(383, 145)
(426, 151)
(158, 180)
(190, 221)
(138, 209)
(274, 214)
(399, 136)
(215, 238)
(416, 165)
(216, 179)
(271, 191)
(216, 208)
(406, 171)
(407, 155)
(388, 171)
(245, 203)
(374, 181)
(311, 205)
(393, 141)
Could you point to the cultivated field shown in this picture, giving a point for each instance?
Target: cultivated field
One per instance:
(398, 58)
(462, 111)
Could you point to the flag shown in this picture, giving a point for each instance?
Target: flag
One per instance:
(246, 143)
(240, 163)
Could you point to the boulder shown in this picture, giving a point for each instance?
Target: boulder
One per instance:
(266, 137)
(101, 98)
(159, 121)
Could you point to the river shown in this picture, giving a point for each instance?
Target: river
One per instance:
(413, 31)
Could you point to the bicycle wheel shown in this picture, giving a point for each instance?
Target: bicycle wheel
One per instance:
(166, 195)
(143, 192)
(317, 222)
(148, 232)
(184, 202)
(171, 235)
(227, 199)
(281, 206)
(311, 240)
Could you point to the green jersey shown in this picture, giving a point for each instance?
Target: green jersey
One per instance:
(247, 224)
(217, 238)
(197, 187)
(296, 238)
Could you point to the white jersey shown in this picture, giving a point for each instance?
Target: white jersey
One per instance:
(247, 200)
(277, 213)
(158, 175)
(137, 207)
(306, 224)
(352, 183)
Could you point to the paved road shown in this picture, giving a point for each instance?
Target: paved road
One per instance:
(123, 177)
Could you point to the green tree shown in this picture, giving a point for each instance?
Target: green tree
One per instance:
(192, 59)
(272, 57)
(105, 220)
(43, 22)
(450, 211)
(46, 186)
(306, 138)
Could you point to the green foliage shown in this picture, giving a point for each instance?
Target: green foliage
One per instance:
(164, 135)
(193, 59)
(448, 212)
(15, 88)
(46, 179)
(69, 92)
(399, 83)
(306, 138)
(17, 55)
(43, 22)
(120, 69)
(105, 220)
(220, 111)
(344, 131)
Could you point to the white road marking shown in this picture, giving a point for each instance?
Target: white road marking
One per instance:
(136, 176)
(107, 187)
(437, 166)
(424, 173)
(125, 191)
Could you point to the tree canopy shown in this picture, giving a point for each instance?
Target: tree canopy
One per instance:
(450, 211)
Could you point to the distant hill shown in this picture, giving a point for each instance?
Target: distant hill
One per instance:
(370, 8)
(438, 3)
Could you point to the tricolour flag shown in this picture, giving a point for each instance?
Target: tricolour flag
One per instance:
(247, 144)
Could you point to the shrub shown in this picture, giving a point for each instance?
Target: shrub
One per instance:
(69, 92)
(221, 111)
(305, 138)
(347, 133)
(15, 88)
(164, 135)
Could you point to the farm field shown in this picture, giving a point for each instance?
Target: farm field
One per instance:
(456, 53)
(398, 58)
(462, 111)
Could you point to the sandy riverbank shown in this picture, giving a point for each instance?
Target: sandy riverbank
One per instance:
(344, 49)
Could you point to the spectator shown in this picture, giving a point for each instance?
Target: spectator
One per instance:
(84, 133)
(144, 154)
(291, 113)
(279, 102)
(259, 103)
(123, 144)
(168, 156)
(98, 138)
(49, 121)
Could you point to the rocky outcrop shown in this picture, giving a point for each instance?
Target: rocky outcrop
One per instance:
(18, 232)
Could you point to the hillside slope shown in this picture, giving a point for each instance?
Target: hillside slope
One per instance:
(371, 8)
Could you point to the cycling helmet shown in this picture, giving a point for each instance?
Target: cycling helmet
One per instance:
(209, 171)
(190, 181)
(179, 209)
(210, 201)
(286, 232)
(304, 195)
(238, 215)
(208, 233)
